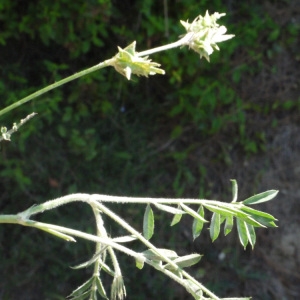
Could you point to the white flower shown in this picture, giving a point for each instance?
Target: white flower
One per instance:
(206, 33)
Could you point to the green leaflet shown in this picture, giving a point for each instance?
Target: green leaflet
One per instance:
(84, 296)
(148, 223)
(100, 288)
(95, 257)
(192, 213)
(185, 261)
(215, 224)
(81, 289)
(198, 224)
(234, 190)
(228, 225)
(193, 289)
(152, 255)
(251, 235)
(176, 219)
(139, 263)
(261, 217)
(242, 231)
(222, 210)
(86, 291)
(262, 197)
(59, 234)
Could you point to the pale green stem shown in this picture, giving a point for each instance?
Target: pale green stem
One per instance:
(83, 235)
(50, 87)
(182, 42)
(110, 62)
(51, 204)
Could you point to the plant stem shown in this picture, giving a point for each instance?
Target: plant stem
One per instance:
(183, 41)
(50, 87)
(149, 245)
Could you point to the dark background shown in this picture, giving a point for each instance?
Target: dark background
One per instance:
(184, 134)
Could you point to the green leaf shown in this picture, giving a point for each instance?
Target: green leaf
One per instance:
(242, 231)
(228, 225)
(265, 219)
(148, 223)
(95, 257)
(234, 190)
(185, 261)
(214, 229)
(83, 288)
(83, 296)
(251, 234)
(176, 219)
(262, 197)
(222, 210)
(139, 263)
(197, 224)
(63, 236)
(100, 288)
(169, 209)
(153, 255)
(193, 289)
(192, 213)
(107, 269)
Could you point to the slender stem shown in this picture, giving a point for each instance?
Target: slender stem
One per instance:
(183, 41)
(51, 204)
(10, 219)
(83, 235)
(50, 87)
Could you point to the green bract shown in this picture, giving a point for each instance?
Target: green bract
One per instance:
(127, 62)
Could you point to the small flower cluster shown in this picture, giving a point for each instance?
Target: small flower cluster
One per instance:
(204, 33)
(127, 62)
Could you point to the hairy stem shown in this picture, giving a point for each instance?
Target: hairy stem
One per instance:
(50, 87)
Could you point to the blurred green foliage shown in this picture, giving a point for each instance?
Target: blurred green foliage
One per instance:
(101, 134)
